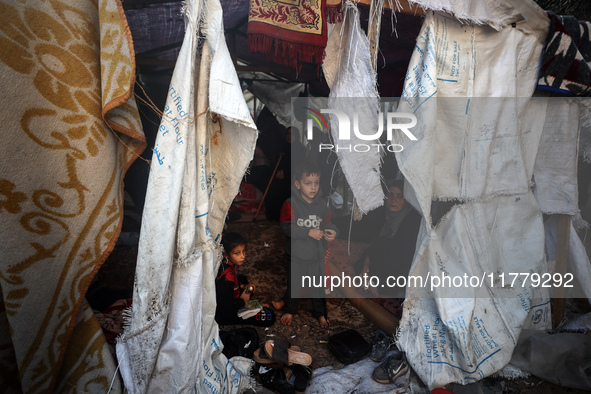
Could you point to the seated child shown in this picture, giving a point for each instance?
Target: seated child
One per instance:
(233, 291)
(305, 219)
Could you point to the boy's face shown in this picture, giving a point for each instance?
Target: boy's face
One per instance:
(236, 255)
(308, 185)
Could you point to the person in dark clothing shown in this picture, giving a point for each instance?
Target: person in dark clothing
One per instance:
(232, 290)
(259, 170)
(392, 251)
(292, 154)
(305, 219)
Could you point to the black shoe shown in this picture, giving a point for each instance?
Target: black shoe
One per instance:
(303, 375)
(380, 347)
(275, 380)
(391, 369)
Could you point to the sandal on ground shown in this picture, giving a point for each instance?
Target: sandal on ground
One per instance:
(276, 381)
(260, 356)
(303, 376)
(278, 350)
(394, 367)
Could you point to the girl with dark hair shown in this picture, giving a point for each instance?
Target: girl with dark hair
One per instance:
(232, 291)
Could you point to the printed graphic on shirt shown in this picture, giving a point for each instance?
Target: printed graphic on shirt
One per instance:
(313, 221)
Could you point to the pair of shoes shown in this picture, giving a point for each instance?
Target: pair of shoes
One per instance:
(381, 345)
(276, 380)
(303, 375)
(391, 369)
(279, 351)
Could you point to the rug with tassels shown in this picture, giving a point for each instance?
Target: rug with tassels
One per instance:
(288, 32)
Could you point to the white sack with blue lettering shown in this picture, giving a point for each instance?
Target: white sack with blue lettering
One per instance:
(469, 256)
(469, 87)
(480, 152)
(171, 343)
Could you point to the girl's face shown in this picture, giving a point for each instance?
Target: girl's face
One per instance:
(236, 255)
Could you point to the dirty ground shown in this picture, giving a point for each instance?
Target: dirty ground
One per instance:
(266, 267)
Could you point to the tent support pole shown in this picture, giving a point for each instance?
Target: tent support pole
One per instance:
(267, 189)
(374, 312)
(373, 30)
(562, 242)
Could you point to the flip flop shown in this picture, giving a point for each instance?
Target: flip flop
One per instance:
(293, 356)
(260, 356)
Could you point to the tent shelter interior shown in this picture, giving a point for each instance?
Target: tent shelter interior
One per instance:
(155, 55)
(66, 217)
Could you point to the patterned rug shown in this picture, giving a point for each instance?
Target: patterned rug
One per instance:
(288, 32)
(71, 130)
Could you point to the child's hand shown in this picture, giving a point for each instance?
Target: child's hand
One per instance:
(245, 296)
(329, 235)
(250, 288)
(316, 234)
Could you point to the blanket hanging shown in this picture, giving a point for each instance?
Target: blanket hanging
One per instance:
(288, 32)
(565, 67)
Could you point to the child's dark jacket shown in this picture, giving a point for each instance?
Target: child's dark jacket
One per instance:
(297, 218)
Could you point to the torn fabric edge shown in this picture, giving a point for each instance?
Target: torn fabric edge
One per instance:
(349, 74)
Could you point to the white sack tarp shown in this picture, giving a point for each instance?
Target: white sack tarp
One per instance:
(472, 335)
(555, 171)
(497, 14)
(171, 343)
(481, 153)
(349, 74)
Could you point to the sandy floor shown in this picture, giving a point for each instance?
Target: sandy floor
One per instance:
(266, 268)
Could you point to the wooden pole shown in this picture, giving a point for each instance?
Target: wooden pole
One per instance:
(373, 30)
(562, 242)
(377, 314)
(268, 185)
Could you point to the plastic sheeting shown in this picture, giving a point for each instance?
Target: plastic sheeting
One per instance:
(277, 97)
(480, 152)
(171, 343)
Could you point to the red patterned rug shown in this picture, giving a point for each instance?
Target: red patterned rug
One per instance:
(288, 32)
